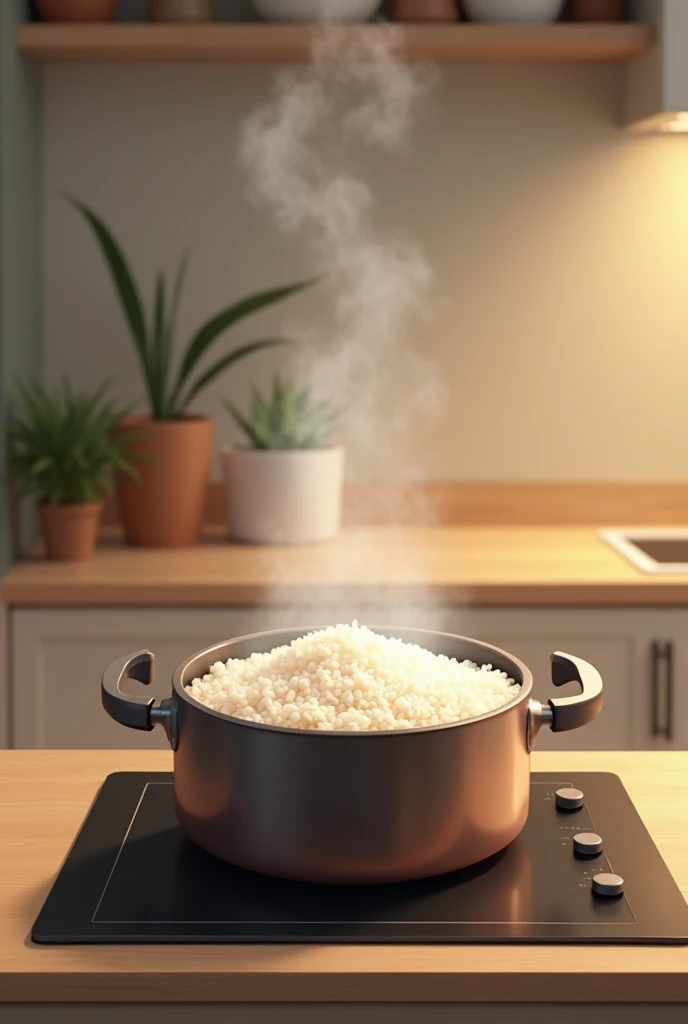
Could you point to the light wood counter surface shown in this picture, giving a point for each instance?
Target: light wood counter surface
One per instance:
(488, 565)
(44, 796)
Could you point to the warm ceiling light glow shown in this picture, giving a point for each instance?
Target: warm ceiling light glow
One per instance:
(673, 122)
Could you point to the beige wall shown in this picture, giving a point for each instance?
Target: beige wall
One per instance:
(560, 247)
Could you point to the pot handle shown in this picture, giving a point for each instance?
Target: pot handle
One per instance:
(137, 712)
(564, 713)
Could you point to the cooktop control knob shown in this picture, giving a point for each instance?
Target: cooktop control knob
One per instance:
(569, 799)
(587, 843)
(606, 884)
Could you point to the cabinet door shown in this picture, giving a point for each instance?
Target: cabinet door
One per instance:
(661, 691)
(604, 638)
(58, 658)
(642, 703)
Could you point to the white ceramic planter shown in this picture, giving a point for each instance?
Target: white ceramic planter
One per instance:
(316, 10)
(289, 497)
(527, 11)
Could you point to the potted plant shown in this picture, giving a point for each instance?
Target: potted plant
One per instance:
(63, 451)
(286, 486)
(164, 506)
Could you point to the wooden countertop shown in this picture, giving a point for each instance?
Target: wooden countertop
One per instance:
(44, 796)
(492, 565)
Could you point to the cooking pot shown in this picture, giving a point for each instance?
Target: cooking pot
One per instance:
(352, 807)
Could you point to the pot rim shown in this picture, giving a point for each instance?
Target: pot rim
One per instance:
(180, 690)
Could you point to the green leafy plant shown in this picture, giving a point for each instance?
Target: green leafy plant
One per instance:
(171, 392)
(62, 449)
(288, 420)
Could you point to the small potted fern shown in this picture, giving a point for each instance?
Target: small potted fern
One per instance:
(164, 506)
(285, 486)
(63, 451)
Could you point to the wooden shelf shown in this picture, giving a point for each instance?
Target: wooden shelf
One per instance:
(291, 43)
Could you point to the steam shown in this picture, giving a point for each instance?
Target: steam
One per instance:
(300, 151)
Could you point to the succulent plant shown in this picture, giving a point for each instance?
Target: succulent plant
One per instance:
(61, 445)
(170, 393)
(287, 421)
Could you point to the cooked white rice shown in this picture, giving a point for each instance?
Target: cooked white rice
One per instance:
(349, 678)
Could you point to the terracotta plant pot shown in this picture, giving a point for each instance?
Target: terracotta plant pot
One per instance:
(425, 10)
(164, 507)
(181, 10)
(76, 10)
(70, 531)
(598, 10)
(289, 497)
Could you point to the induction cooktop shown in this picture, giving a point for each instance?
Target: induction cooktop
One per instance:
(584, 870)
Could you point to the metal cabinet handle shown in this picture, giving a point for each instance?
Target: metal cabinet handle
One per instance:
(137, 712)
(663, 657)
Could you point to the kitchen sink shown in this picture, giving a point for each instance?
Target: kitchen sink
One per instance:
(657, 550)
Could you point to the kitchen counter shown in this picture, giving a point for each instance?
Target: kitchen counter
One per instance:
(46, 794)
(493, 565)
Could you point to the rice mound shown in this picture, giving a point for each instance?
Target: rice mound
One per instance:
(348, 678)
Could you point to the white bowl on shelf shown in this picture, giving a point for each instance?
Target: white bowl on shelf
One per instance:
(513, 11)
(316, 10)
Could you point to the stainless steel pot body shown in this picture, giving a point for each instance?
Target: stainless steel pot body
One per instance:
(352, 807)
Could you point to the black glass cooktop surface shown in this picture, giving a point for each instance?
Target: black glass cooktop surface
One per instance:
(132, 876)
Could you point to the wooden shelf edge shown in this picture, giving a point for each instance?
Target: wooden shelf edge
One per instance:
(250, 43)
(200, 595)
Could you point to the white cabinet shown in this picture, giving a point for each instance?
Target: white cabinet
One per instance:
(645, 704)
(605, 639)
(58, 657)
(619, 643)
